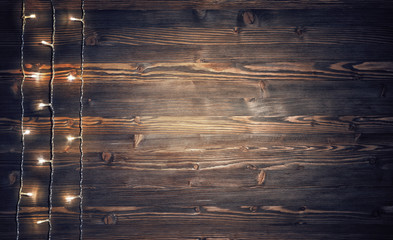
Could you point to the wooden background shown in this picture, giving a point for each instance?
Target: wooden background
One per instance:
(213, 119)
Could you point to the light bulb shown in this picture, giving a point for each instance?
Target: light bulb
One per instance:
(26, 132)
(30, 16)
(42, 105)
(70, 198)
(36, 76)
(76, 19)
(46, 44)
(70, 77)
(42, 161)
(71, 138)
(29, 194)
(42, 221)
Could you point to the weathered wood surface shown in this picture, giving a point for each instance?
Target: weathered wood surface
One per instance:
(205, 119)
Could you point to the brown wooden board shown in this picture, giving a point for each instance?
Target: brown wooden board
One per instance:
(224, 119)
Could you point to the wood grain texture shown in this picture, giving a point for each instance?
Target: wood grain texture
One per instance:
(204, 119)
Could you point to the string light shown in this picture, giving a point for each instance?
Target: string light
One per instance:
(30, 16)
(77, 19)
(82, 20)
(47, 44)
(43, 221)
(71, 77)
(42, 105)
(24, 132)
(70, 198)
(42, 161)
(36, 76)
(71, 138)
(29, 194)
(52, 111)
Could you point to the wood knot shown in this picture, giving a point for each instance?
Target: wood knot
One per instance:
(356, 76)
(137, 139)
(200, 60)
(352, 126)
(252, 167)
(261, 177)
(236, 30)
(92, 40)
(107, 157)
(137, 120)
(372, 161)
(244, 149)
(197, 209)
(253, 209)
(110, 219)
(248, 17)
(299, 31)
(302, 208)
(12, 178)
(140, 68)
(196, 166)
(200, 13)
(69, 122)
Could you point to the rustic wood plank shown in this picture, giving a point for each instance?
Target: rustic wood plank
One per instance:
(206, 120)
(209, 4)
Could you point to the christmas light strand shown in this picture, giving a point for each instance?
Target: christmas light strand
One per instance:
(82, 20)
(52, 110)
(23, 132)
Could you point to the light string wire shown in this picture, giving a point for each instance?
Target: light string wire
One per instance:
(21, 120)
(52, 110)
(81, 123)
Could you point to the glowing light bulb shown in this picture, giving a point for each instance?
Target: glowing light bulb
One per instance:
(70, 198)
(26, 132)
(46, 44)
(42, 161)
(29, 194)
(36, 76)
(30, 16)
(76, 19)
(71, 138)
(42, 105)
(42, 221)
(70, 77)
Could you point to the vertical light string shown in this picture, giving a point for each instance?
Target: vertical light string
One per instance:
(52, 110)
(70, 138)
(81, 123)
(21, 120)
